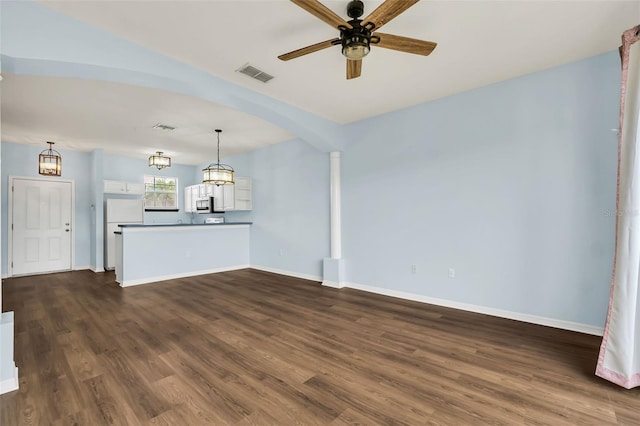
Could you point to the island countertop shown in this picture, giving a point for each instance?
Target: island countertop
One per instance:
(152, 225)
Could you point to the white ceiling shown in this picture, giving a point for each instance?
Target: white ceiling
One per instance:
(85, 115)
(479, 43)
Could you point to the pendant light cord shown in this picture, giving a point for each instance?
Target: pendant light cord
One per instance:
(218, 132)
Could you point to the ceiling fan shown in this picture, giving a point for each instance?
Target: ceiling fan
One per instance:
(357, 35)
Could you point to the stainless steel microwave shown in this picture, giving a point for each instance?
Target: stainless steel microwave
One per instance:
(206, 205)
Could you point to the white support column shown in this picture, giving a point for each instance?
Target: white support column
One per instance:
(336, 227)
(333, 274)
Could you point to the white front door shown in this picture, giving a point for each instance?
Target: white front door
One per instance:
(41, 226)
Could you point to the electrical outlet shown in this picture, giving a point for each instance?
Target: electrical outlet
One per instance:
(452, 273)
(414, 269)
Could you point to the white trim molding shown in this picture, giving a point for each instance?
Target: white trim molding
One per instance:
(309, 277)
(332, 284)
(533, 319)
(82, 268)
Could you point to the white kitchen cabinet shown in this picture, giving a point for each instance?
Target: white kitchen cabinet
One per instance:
(217, 192)
(121, 187)
(242, 194)
(204, 190)
(225, 197)
(209, 190)
(228, 197)
(189, 199)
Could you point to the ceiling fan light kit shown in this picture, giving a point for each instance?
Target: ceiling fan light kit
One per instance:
(357, 35)
(355, 47)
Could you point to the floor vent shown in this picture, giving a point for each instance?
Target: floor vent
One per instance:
(254, 72)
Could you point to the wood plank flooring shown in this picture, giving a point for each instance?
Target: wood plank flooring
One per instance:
(253, 348)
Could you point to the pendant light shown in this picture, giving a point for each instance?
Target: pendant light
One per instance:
(217, 173)
(50, 162)
(159, 160)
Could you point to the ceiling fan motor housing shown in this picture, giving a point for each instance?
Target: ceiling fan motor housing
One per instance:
(355, 9)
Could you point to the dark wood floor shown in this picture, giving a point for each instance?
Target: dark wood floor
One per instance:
(249, 347)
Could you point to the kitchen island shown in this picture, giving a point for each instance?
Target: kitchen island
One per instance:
(158, 252)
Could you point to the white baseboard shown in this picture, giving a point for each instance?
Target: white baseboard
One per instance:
(10, 384)
(332, 284)
(81, 268)
(129, 283)
(287, 273)
(96, 270)
(534, 319)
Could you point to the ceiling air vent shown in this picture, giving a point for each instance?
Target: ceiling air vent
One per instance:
(164, 127)
(254, 72)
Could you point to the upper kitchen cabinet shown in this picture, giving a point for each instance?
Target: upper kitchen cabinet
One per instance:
(205, 190)
(225, 197)
(190, 196)
(124, 188)
(242, 193)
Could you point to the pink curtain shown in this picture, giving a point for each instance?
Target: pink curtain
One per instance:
(619, 359)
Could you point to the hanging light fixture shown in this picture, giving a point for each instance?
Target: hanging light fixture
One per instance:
(217, 173)
(159, 160)
(50, 162)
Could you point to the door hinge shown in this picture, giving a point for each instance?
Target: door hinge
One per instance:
(12, 264)
(12, 226)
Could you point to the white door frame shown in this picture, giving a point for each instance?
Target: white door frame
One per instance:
(10, 218)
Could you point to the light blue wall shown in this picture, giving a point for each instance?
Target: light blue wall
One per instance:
(134, 170)
(290, 216)
(22, 160)
(512, 185)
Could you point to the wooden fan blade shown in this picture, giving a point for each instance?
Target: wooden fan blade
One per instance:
(354, 68)
(309, 49)
(321, 11)
(387, 11)
(405, 44)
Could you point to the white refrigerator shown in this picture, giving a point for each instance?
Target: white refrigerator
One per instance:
(119, 212)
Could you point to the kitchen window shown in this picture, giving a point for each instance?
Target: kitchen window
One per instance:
(160, 193)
